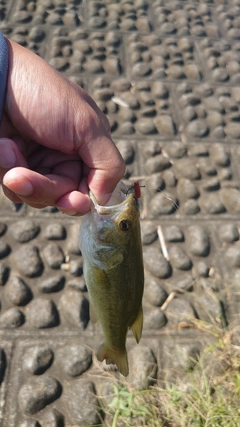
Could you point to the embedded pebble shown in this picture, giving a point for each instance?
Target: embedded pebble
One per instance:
(143, 24)
(112, 66)
(77, 392)
(169, 178)
(208, 306)
(218, 132)
(176, 149)
(146, 126)
(52, 418)
(212, 204)
(148, 112)
(192, 71)
(4, 249)
(3, 228)
(157, 164)
(4, 274)
(230, 197)
(54, 19)
(42, 313)
(75, 308)
(197, 240)
(126, 150)
(148, 233)
(17, 291)
(126, 128)
(212, 103)
(76, 267)
(154, 293)
(28, 261)
(232, 130)
(206, 167)
(155, 320)
(179, 259)
(209, 285)
(73, 239)
(199, 151)
(189, 114)
(187, 169)
(141, 69)
(52, 284)
(77, 283)
(93, 66)
(11, 319)
(201, 114)
(160, 90)
(55, 231)
(37, 359)
(74, 359)
(128, 25)
(225, 174)
(155, 183)
(30, 423)
(202, 269)
(220, 155)
(142, 367)
(23, 231)
(165, 125)
(190, 207)
(127, 116)
(228, 233)
(179, 310)
(187, 189)
(37, 393)
(173, 233)
(121, 85)
(175, 72)
(156, 263)
(198, 128)
(184, 282)
(214, 119)
(22, 16)
(232, 256)
(163, 204)
(53, 255)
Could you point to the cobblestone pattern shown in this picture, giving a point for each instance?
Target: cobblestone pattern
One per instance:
(167, 75)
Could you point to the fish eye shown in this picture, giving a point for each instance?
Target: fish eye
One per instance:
(125, 225)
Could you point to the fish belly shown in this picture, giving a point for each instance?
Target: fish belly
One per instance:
(115, 301)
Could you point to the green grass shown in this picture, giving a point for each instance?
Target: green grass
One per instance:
(207, 396)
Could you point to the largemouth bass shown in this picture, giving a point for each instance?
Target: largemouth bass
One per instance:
(110, 243)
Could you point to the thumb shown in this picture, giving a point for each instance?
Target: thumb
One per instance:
(102, 182)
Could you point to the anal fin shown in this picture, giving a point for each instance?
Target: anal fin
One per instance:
(138, 325)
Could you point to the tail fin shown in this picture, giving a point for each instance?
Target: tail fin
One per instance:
(115, 357)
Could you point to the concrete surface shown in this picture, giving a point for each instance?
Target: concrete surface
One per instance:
(167, 75)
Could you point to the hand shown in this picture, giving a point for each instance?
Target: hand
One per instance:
(54, 141)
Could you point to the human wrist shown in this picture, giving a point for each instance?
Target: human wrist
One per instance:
(3, 72)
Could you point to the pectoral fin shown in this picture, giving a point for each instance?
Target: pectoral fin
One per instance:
(138, 325)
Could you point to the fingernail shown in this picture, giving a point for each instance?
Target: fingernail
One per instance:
(22, 188)
(67, 212)
(7, 155)
(102, 201)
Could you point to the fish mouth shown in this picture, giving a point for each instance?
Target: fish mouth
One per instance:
(120, 198)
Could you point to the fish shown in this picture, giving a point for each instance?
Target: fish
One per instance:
(110, 243)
